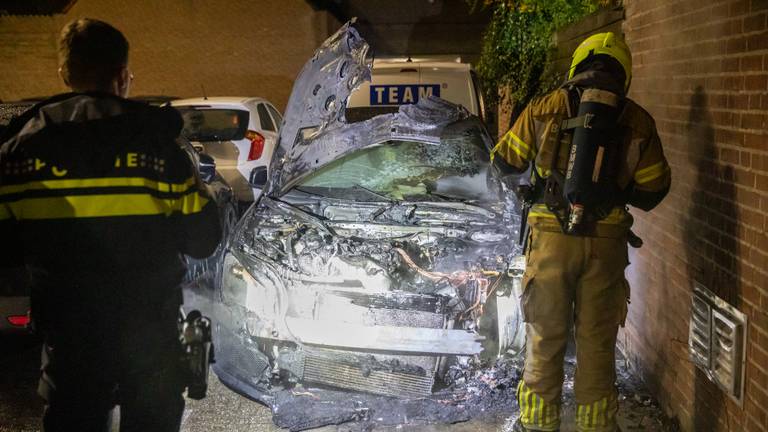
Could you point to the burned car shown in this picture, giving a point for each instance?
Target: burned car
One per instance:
(382, 259)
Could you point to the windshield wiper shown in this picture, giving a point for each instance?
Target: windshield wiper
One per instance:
(303, 190)
(302, 215)
(447, 197)
(467, 206)
(374, 193)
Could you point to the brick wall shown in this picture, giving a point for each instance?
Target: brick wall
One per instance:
(701, 69)
(241, 48)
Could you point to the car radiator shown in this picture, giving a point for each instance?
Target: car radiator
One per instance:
(323, 370)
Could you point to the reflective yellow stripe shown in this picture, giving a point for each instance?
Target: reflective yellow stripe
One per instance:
(521, 400)
(100, 182)
(190, 203)
(541, 214)
(579, 414)
(515, 143)
(88, 206)
(650, 173)
(520, 146)
(529, 402)
(495, 150)
(535, 411)
(541, 411)
(617, 215)
(605, 412)
(592, 416)
(595, 413)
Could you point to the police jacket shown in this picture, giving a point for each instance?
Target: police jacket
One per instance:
(643, 175)
(100, 202)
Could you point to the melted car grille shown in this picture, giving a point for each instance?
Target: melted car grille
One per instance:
(327, 371)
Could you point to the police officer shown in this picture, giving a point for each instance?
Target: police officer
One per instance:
(101, 202)
(594, 152)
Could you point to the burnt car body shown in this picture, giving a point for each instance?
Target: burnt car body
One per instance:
(382, 258)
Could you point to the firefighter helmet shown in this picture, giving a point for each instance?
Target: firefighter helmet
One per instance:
(608, 44)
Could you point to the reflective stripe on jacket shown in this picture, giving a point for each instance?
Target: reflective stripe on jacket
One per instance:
(96, 193)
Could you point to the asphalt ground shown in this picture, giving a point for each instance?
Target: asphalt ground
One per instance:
(224, 410)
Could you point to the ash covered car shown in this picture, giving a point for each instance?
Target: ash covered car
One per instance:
(381, 262)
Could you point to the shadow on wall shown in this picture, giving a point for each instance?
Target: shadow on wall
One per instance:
(710, 238)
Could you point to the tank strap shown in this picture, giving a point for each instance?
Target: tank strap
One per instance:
(587, 121)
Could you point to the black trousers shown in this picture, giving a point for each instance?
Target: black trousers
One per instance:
(91, 362)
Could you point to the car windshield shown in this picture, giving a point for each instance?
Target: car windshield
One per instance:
(206, 124)
(455, 169)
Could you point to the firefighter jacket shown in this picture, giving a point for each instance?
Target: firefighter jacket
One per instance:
(643, 178)
(100, 201)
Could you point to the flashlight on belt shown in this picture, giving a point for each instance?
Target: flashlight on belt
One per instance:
(197, 352)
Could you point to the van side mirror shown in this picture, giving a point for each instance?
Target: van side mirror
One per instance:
(258, 177)
(207, 167)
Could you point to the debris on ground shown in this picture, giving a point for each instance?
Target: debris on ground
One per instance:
(472, 392)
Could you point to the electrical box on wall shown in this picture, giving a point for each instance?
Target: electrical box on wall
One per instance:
(717, 341)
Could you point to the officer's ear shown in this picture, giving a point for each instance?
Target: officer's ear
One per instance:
(63, 78)
(122, 82)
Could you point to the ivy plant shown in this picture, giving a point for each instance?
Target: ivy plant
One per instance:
(516, 45)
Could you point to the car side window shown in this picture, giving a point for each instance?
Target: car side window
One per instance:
(264, 118)
(275, 115)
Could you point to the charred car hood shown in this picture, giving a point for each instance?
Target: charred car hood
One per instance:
(315, 131)
(410, 304)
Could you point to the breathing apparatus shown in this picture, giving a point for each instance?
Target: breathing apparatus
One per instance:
(589, 189)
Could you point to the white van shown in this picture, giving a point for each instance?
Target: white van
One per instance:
(399, 81)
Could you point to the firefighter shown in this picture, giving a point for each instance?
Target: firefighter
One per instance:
(594, 151)
(101, 201)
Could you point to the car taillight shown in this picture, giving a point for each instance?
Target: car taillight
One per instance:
(257, 145)
(19, 320)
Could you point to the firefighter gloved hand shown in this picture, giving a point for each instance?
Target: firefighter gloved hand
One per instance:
(505, 169)
(525, 193)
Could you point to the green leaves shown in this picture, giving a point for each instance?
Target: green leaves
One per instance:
(516, 44)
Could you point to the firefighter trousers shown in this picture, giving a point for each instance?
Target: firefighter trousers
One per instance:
(572, 284)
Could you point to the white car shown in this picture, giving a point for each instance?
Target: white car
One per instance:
(240, 133)
(396, 82)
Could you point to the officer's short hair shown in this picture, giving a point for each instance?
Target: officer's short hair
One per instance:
(91, 53)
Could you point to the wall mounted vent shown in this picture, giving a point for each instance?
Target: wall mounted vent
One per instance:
(717, 341)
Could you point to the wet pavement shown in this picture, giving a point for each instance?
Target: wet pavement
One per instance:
(224, 410)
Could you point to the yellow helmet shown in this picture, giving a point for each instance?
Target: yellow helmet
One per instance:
(608, 44)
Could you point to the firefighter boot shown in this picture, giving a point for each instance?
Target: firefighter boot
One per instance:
(518, 427)
(536, 414)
